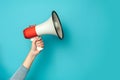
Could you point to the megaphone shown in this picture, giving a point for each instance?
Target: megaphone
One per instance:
(52, 27)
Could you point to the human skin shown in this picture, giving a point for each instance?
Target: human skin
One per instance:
(37, 42)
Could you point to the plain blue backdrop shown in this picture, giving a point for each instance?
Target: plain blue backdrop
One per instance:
(90, 49)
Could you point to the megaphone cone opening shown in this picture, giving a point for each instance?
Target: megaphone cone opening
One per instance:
(57, 25)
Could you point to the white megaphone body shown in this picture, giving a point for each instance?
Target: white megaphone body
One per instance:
(52, 26)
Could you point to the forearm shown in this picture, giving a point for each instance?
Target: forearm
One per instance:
(29, 59)
(21, 73)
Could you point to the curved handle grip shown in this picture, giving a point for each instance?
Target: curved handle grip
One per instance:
(38, 48)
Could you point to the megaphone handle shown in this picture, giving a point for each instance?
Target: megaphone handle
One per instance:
(38, 48)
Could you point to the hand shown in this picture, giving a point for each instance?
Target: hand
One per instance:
(37, 42)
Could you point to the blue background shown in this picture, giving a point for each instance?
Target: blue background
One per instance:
(90, 49)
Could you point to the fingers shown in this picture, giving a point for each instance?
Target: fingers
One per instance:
(34, 40)
(39, 43)
(36, 44)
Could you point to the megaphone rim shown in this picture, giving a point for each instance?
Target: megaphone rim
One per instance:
(55, 25)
